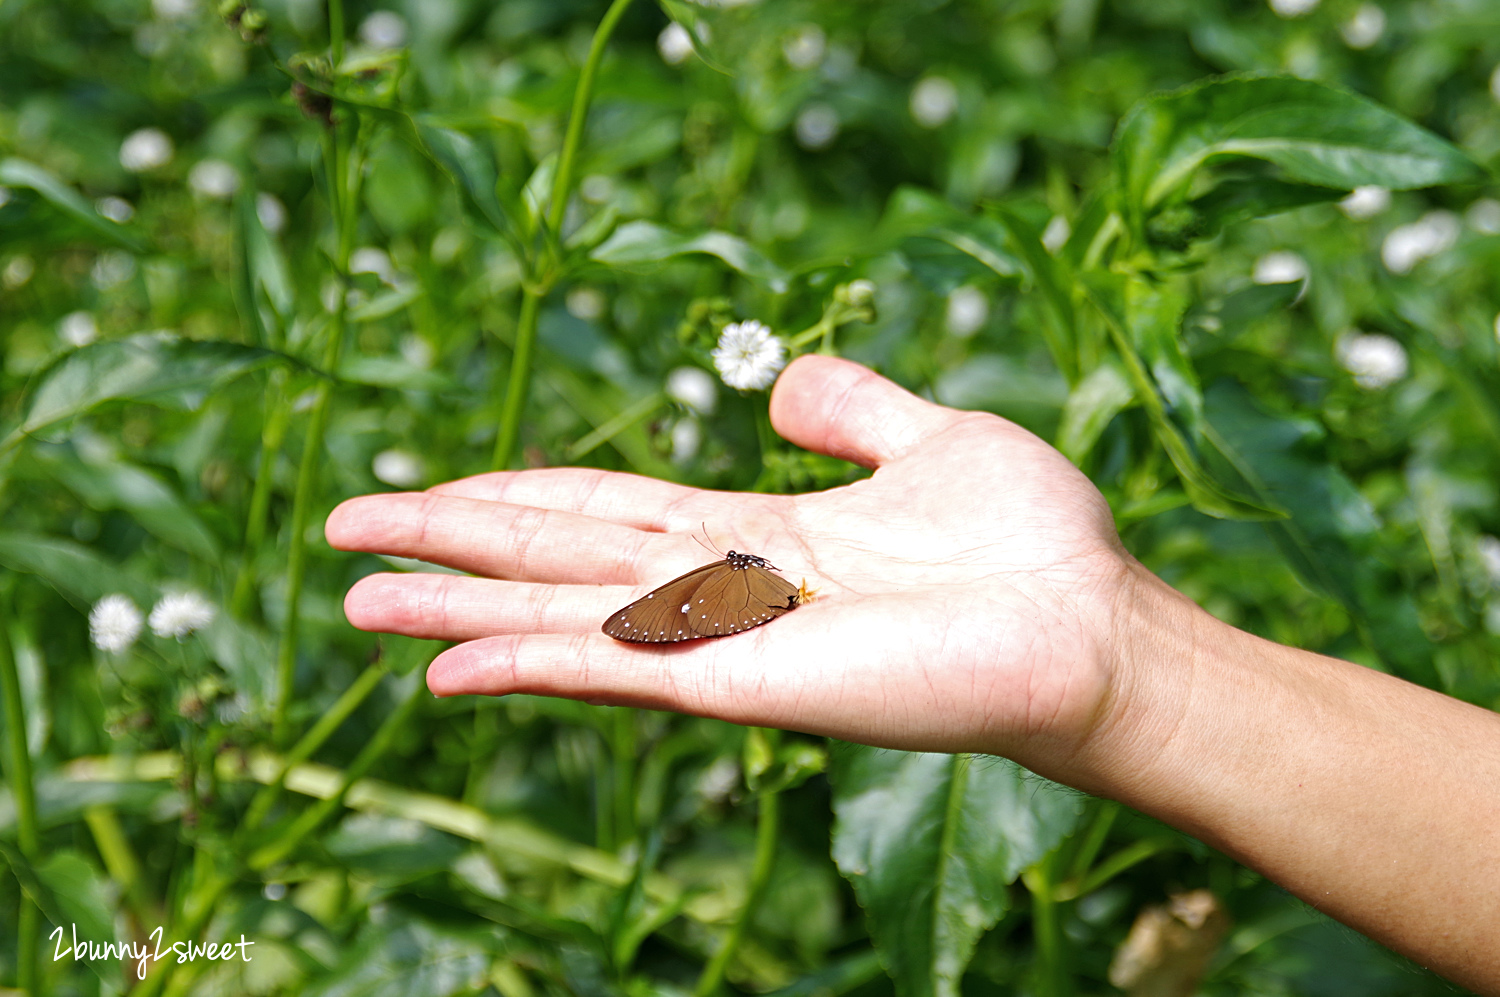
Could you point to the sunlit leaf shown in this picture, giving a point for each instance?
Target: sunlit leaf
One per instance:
(931, 843)
(642, 243)
(22, 173)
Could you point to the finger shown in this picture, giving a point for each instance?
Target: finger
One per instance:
(452, 607)
(626, 499)
(489, 538)
(844, 410)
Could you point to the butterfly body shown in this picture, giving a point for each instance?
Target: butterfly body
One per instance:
(716, 600)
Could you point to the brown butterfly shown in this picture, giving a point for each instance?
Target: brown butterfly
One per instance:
(716, 600)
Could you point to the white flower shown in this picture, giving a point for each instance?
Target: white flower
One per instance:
(817, 126)
(173, 10)
(1376, 361)
(178, 614)
(145, 149)
(1280, 267)
(383, 29)
(78, 328)
(114, 623)
(17, 272)
(416, 351)
(271, 212)
(585, 303)
(968, 310)
(400, 468)
(214, 178)
(372, 259)
(933, 101)
(1055, 235)
(116, 209)
(1483, 216)
(687, 437)
(803, 49)
(1293, 8)
(1365, 27)
(1365, 202)
(748, 357)
(693, 387)
(1407, 245)
(112, 269)
(1488, 549)
(675, 44)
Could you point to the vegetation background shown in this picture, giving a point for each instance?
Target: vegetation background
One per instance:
(257, 259)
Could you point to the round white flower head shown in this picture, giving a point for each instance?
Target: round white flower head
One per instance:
(1407, 245)
(383, 29)
(1488, 549)
(1483, 216)
(748, 357)
(145, 149)
(817, 126)
(687, 437)
(933, 101)
(968, 311)
(1280, 267)
(372, 259)
(78, 328)
(116, 209)
(693, 387)
(114, 623)
(675, 44)
(803, 49)
(400, 468)
(270, 211)
(1365, 202)
(1376, 361)
(586, 303)
(178, 614)
(214, 178)
(1293, 8)
(1365, 27)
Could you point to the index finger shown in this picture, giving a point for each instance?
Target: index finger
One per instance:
(615, 497)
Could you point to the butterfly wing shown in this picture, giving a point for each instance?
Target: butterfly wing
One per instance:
(733, 600)
(661, 617)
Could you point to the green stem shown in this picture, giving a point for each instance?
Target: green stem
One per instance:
(766, 832)
(1046, 928)
(310, 742)
(623, 751)
(520, 379)
(309, 820)
(546, 275)
(273, 433)
(18, 773)
(343, 192)
(336, 30)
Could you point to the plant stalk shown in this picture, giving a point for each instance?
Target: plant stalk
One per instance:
(767, 830)
(273, 433)
(546, 275)
(23, 788)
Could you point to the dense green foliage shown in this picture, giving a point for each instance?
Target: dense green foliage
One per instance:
(247, 271)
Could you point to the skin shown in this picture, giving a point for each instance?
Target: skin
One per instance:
(973, 596)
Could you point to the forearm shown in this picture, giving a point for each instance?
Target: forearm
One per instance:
(1375, 800)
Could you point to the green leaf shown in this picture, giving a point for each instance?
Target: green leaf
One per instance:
(641, 243)
(1314, 133)
(393, 372)
(472, 167)
(105, 481)
(71, 894)
(146, 367)
(76, 571)
(23, 173)
(931, 843)
(1107, 292)
(1239, 200)
(384, 304)
(1097, 399)
(1055, 284)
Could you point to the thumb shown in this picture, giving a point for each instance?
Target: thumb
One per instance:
(842, 409)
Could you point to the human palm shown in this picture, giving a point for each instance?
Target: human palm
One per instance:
(965, 591)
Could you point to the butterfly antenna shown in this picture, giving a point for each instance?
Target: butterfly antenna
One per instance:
(710, 545)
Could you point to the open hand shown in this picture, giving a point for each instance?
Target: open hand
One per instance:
(967, 590)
